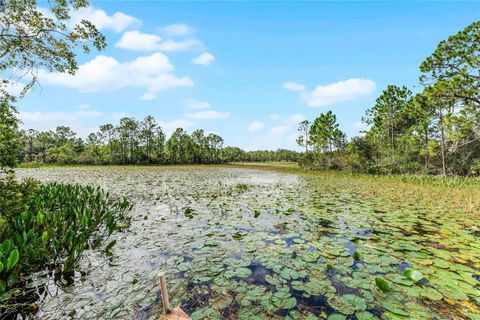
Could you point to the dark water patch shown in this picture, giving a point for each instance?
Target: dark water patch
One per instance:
(200, 294)
(145, 312)
(341, 287)
(419, 229)
(258, 274)
(356, 263)
(403, 265)
(351, 247)
(315, 304)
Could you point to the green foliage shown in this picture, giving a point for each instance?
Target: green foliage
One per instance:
(138, 142)
(413, 275)
(15, 197)
(33, 39)
(383, 284)
(455, 64)
(325, 134)
(9, 136)
(52, 225)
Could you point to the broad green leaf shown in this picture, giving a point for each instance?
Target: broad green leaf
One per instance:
(413, 275)
(12, 259)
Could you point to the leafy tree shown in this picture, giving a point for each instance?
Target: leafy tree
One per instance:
(32, 38)
(31, 136)
(455, 66)
(325, 134)
(107, 134)
(159, 145)
(147, 135)
(387, 119)
(9, 136)
(303, 130)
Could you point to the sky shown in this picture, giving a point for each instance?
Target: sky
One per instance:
(248, 71)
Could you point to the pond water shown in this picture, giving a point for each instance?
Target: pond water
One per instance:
(241, 243)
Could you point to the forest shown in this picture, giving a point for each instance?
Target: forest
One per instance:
(136, 142)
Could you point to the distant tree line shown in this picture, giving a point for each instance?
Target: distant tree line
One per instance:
(136, 142)
(436, 131)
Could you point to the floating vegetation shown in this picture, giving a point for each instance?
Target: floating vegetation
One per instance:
(286, 246)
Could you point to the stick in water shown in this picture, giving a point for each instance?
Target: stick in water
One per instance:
(163, 288)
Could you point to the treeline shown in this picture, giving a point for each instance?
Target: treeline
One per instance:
(136, 142)
(435, 131)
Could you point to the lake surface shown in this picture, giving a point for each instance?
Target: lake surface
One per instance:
(240, 243)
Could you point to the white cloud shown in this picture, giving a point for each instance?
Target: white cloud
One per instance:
(278, 130)
(169, 126)
(84, 106)
(293, 86)
(255, 126)
(282, 135)
(153, 73)
(204, 59)
(206, 115)
(274, 117)
(197, 105)
(295, 118)
(341, 91)
(137, 41)
(174, 30)
(116, 22)
(81, 121)
(38, 116)
(119, 115)
(148, 96)
(182, 45)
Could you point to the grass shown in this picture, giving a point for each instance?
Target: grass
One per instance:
(456, 193)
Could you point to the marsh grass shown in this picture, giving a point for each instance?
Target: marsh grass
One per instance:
(461, 194)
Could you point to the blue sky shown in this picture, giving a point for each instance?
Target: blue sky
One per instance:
(249, 71)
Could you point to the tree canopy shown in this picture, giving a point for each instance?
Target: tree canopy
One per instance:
(33, 38)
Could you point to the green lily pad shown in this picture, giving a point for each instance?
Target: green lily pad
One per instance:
(413, 275)
(383, 284)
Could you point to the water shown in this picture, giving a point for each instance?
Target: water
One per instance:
(289, 246)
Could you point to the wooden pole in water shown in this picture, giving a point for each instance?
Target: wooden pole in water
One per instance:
(163, 288)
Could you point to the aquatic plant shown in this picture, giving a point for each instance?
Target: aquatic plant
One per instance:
(59, 223)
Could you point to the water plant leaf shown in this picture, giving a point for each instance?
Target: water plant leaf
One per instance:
(12, 259)
(413, 275)
(365, 315)
(431, 294)
(394, 309)
(383, 284)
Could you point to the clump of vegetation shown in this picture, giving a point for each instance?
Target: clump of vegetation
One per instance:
(50, 226)
(241, 187)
